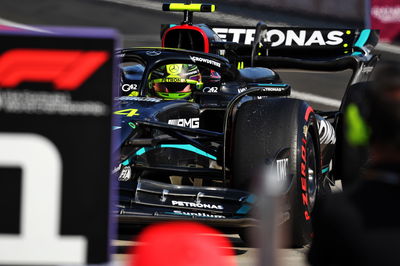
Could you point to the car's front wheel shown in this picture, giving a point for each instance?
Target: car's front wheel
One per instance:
(283, 130)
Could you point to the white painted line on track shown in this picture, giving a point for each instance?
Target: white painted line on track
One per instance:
(315, 98)
(20, 26)
(386, 47)
(218, 17)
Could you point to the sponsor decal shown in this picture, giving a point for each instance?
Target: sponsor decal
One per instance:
(205, 60)
(197, 205)
(129, 87)
(277, 89)
(242, 90)
(199, 214)
(279, 37)
(138, 99)
(65, 69)
(125, 174)
(127, 112)
(211, 89)
(173, 80)
(153, 53)
(182, 122)
(367, 69)
(282, 169)
(174, 69)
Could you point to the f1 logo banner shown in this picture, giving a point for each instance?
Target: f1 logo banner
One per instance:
(56, 92)
(66, 69)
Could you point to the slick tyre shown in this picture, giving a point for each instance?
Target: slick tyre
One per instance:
(287, 128)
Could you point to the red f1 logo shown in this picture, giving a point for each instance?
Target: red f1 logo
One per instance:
(66, 69)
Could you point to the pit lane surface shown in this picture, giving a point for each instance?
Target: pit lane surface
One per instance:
(140, 26)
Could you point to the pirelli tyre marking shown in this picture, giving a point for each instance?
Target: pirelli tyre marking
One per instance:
(304, 175)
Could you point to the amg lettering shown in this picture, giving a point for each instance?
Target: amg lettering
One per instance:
(182, 122)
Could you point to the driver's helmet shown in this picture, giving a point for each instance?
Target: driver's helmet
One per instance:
(175, 81)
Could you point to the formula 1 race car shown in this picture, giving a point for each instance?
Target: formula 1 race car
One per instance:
(193, 146)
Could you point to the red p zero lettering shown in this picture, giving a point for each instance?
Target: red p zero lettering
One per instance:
(308, 112)
(305, 198)
(304, 184)
(66, 69)
(303, 166)
(307, 215)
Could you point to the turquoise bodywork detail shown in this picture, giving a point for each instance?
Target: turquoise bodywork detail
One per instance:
(244, 209)
(272, 85)
(362, 40)
(251, 199)
(325, 170)
(186, 147)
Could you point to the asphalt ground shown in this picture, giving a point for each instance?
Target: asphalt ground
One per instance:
(139, 23)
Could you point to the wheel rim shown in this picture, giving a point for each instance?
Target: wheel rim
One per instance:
(311, 174)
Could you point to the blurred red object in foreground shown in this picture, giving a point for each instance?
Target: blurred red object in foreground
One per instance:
(181, 243)
(385, 15)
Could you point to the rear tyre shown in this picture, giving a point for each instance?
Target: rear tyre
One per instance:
(285, 127)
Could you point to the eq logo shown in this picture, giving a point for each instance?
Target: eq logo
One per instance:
(66, 69)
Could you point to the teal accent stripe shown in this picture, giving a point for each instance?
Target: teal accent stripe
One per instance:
(251, 199)
(125, 163)
(325, 170)
(244, 209)
(186, 147)
(362, 39)
(272, 85)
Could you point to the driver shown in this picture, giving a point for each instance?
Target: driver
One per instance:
(175, 81)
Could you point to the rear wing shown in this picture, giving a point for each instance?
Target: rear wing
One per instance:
(293, 42)
(302, 42)
(287, 41)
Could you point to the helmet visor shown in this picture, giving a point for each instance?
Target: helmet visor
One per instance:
(173, 87)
